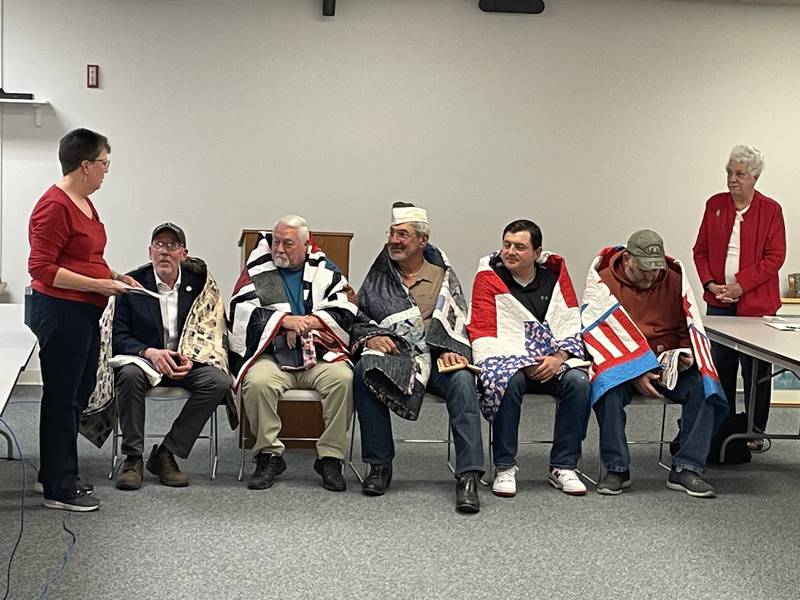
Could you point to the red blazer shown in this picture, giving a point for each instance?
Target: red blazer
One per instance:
(763, 250)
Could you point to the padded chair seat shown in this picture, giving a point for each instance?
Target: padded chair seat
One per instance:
(167, 392)
(302, 396)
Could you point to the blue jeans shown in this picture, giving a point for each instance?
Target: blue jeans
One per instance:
(697, 423)
(461, 396)
(572, 418)
(727, 361)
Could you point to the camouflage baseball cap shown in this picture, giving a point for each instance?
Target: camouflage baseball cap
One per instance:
(647, 248)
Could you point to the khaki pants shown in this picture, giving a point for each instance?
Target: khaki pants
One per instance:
(264, 385)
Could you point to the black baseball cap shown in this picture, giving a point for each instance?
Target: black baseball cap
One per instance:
(170, 227)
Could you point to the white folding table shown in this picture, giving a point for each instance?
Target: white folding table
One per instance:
(751, 336)
(17, 343)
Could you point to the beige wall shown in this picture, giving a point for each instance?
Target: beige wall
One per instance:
(594, 118)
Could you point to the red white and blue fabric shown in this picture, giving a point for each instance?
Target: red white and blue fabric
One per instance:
(620, 351)
(506, 337)
(259, 304)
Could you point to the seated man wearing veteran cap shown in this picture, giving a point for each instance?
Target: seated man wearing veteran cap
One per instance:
(172, 337)
(418, 316)
(642, 327)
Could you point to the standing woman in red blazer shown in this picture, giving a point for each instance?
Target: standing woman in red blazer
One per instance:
(740, 247)
(71, 283)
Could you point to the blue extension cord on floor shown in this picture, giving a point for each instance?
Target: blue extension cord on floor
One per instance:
(70, 549)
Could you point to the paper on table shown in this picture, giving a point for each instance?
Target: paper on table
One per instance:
(129, 289)
(783, 323)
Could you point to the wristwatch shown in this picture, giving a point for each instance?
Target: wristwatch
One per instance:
(141, 352)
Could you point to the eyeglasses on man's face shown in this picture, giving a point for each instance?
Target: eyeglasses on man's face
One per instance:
(400, 234)
(168, 246)
(106, 162)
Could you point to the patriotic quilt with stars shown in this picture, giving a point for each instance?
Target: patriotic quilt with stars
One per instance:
(506, 337)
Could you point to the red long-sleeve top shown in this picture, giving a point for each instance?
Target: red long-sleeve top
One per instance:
(761, 255)
(60, 235)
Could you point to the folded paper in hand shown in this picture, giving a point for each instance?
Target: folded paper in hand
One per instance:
(129, 289)
(670, 361)
(456, 367)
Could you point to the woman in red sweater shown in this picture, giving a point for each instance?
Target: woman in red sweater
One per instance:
(71, 283)
(740, 247)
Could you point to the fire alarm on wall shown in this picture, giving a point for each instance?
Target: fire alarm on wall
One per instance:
(92, 76)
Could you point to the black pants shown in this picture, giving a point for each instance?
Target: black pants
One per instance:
(727, 361)
(69, 347)
(207, 385)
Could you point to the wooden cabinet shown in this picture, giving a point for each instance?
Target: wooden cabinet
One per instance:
(301, 419)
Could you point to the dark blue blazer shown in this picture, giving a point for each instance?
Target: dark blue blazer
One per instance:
(137, 318)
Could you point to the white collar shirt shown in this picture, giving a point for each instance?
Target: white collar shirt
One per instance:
(169, 310)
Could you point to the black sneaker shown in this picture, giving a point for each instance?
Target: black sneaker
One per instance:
(614, 482)
(80, 502)
(331, 470)
(691, 483)
(268, 467)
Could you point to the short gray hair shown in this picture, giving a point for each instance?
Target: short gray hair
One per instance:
(750, 156)
(421, 228)
(295, 222)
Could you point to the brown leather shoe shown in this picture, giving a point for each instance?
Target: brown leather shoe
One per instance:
(162, 463)
(130, 473)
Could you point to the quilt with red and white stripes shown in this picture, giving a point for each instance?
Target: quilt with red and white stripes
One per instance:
(506, 337)
(620, 351)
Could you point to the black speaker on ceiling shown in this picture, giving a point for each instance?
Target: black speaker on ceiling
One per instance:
(512, 6)
(328, 8)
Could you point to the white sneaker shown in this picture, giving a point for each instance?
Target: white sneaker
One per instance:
(505, 483)
(567, 481)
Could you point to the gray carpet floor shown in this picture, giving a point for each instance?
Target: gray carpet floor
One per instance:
(216, 539)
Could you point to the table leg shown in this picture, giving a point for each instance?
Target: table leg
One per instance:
(751, 413)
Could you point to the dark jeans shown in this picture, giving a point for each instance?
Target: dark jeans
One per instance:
(572, 418)
(207, 385)
(727, 361)
(461, 396)
(69, 347)
(697, 423)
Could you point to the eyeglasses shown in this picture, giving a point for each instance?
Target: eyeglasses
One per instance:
(168, 246)
(400, 233)
(106, 162)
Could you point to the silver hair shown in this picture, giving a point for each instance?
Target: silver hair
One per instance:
(295, 222)
(422, 228)
(750, 156)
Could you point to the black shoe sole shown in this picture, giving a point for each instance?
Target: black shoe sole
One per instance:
(334, 487)
(468, 509)
(371, 491)
(128, 487)
(260, 486)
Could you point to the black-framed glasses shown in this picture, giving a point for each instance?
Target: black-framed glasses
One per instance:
(168, 246)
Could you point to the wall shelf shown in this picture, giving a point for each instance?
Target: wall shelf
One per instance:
(36, 104)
